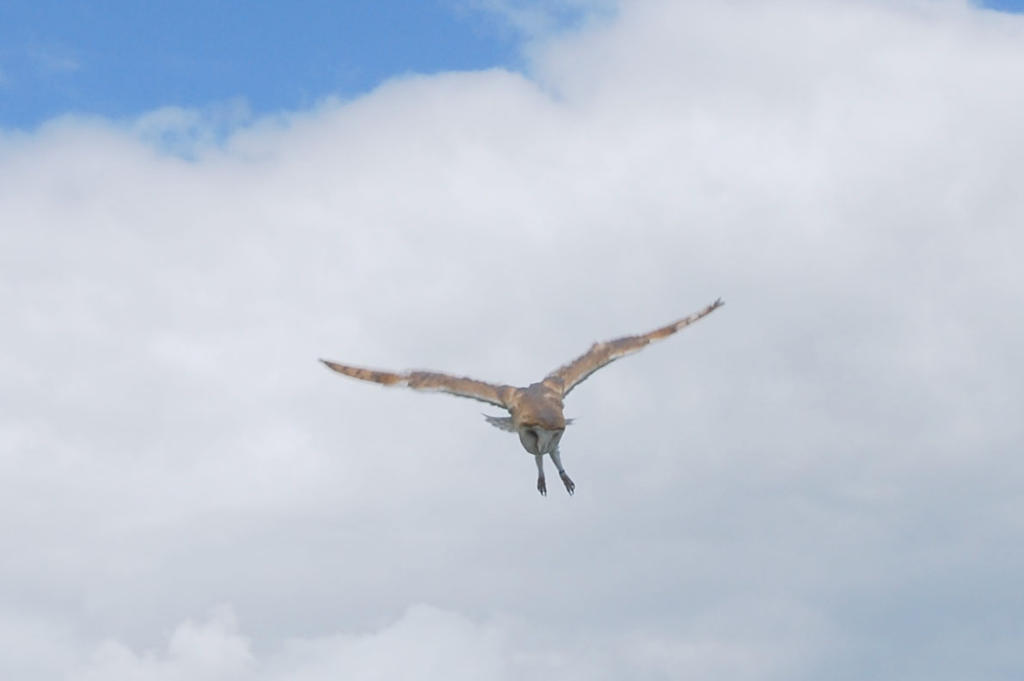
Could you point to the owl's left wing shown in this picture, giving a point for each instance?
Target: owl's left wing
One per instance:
(428, 380)
(602, 354)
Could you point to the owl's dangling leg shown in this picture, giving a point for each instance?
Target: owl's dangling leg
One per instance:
(570, 486)
(541, 485)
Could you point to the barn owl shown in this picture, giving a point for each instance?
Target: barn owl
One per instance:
(535, 412)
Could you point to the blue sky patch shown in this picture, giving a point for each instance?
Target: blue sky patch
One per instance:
(121, 58)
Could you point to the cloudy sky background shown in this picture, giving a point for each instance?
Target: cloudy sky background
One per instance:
(822, 480)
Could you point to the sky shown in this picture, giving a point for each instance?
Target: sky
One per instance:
(822, 480)
(119, 59)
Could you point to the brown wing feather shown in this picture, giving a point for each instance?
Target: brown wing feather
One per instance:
(426, 380)
(601, 354)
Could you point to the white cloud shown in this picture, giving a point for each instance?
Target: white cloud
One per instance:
(188, 132)
(424, 642)
(819, 481)
(541, 20)
(209, 650)
(34, 646)
(427, 642)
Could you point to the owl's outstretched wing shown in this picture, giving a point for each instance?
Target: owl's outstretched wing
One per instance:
(600, 354)
(426, 380)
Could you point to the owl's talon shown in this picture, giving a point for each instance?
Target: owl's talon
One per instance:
(570, 486)
(542, 487)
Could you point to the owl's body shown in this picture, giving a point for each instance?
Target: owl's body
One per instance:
(539, 404)
(536, 412)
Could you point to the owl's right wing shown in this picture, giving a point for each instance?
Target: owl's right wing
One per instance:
(602, 354)
(427, 380)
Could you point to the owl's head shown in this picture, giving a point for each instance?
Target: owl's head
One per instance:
(537, 439)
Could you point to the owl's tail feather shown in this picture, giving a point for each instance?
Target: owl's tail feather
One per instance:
(502, 422)
(505, 422)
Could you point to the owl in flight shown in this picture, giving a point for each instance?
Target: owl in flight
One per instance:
(536, 410)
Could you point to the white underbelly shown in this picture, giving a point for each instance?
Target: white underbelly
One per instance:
(538, 440)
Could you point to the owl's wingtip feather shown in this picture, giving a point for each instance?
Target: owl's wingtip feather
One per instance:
(329, 364)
